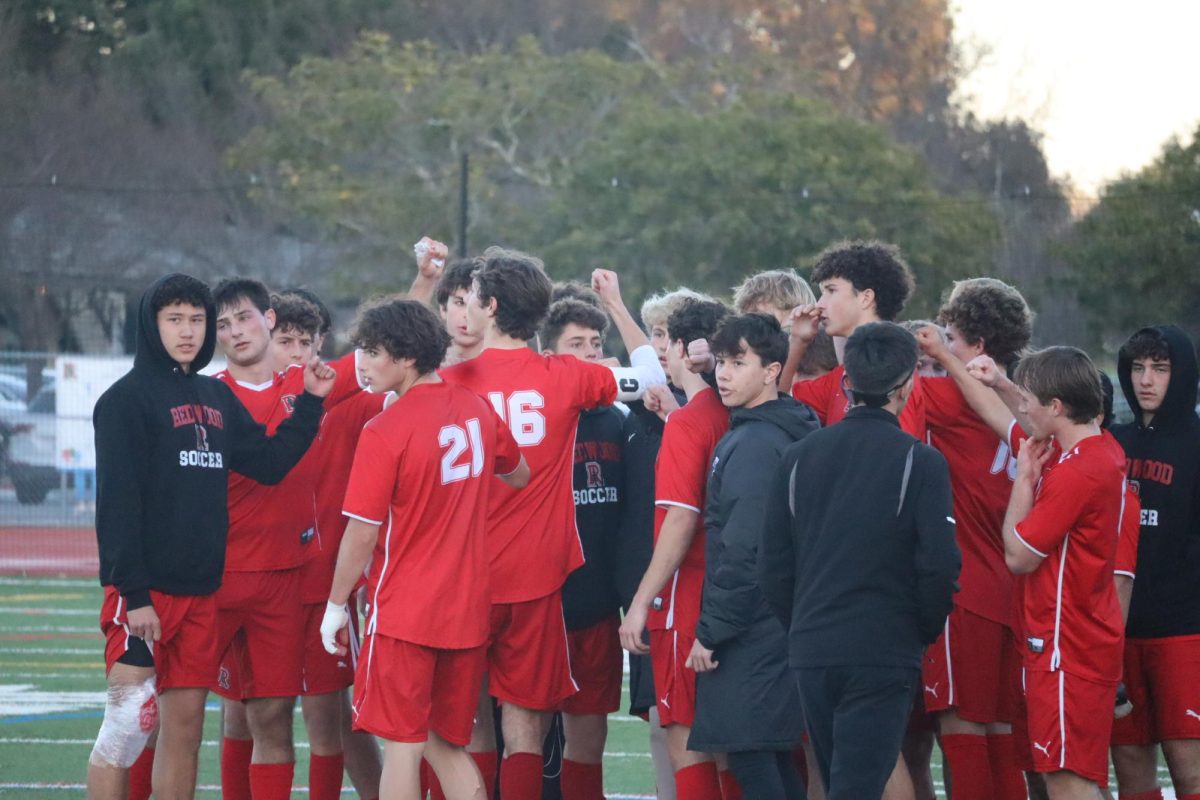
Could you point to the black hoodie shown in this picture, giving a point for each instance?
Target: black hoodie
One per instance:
(165, 441)
(1163, 464)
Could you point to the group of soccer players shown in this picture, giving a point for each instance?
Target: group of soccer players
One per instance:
(473, 512)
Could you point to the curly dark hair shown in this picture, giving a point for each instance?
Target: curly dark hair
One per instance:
(869, 265)
(229, 291)
(695, 319)
(457, 275)
(574, 290)
(571, 311)
(180, 288)
(991, 311)
(295, 313)
(322, 309)
(761, 334)
(1066, 373)
(404, 329)
(519, 284)
(1146, 343)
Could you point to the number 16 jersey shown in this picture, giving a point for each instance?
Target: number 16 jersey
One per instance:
(533, 543)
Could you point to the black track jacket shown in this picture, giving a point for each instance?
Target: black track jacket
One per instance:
(858, 558)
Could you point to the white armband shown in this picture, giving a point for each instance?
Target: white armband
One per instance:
(644, 371)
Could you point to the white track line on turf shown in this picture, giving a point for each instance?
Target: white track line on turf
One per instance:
(47, 582)
(52, 612)
(56, 651)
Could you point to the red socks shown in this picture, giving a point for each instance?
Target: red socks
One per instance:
(271, 781)
(1008, 780)
(970, 767)
(698, 782)
(486, 762)
(139, 775)
(730, 790)
(1154, 794)
(235, 768)
(325, 776)
(521, 776)
(582, 781)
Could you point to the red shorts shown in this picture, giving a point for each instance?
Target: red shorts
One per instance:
(528, 663)
(674, 681)
(1069, 723)
(260, 635)
(324, 672)
(1162, 677)
(403, 690)
(598, 668)
(973, 668)
(185, 657)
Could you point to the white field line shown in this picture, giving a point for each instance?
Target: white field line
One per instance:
(212, 788)
(57, 651)
(50, 629)
(35, 581)
(94, 613)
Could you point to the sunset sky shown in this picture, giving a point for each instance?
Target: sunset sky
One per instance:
(1106, 81)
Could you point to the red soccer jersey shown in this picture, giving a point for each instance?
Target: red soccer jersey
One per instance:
(270, 526)
(982, 470)
(827, 398)
(533, 543)
(423, 471)
(1072, 620)
(681, 479)
(334, 452)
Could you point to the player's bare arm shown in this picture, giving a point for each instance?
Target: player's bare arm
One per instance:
(802, 325)
(674, 539)
(644, 370)
(988, 372)
(431, 261)
(519, 477)
(1030, 460)
(353, 556)
(983, 400)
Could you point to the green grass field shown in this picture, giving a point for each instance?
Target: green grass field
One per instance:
(52, 698)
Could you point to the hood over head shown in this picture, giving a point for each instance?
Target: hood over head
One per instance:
(1180, 401)
(793, 418)
(150, 352)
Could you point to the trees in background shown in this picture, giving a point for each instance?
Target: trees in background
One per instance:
(679, 140)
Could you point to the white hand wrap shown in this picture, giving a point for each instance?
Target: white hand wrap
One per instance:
(336, 618)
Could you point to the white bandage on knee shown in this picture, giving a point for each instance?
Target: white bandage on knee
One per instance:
(130, 716)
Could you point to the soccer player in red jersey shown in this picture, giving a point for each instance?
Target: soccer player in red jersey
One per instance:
(860, 282)
(533, 543)
(451, 298)
(668, 599)
(1060, 531)
(972, 671)
(301, 324)
(423, 469)
(259, 612)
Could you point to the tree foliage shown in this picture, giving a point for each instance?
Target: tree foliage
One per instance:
(1136, 254)
(593, 160)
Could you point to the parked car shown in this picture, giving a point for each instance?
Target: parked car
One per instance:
(31, 449)
(12, 394)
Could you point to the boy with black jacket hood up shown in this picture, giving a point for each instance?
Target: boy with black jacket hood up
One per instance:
(1158, 373)
(746, 700)
(859, 563)
(166, 438)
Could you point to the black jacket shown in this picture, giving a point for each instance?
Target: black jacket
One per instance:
(749, 702)
(858, 558)
(590, 592)
(1163, 464)
(165, 441)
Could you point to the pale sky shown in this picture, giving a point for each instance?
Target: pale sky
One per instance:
(1106, 81)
